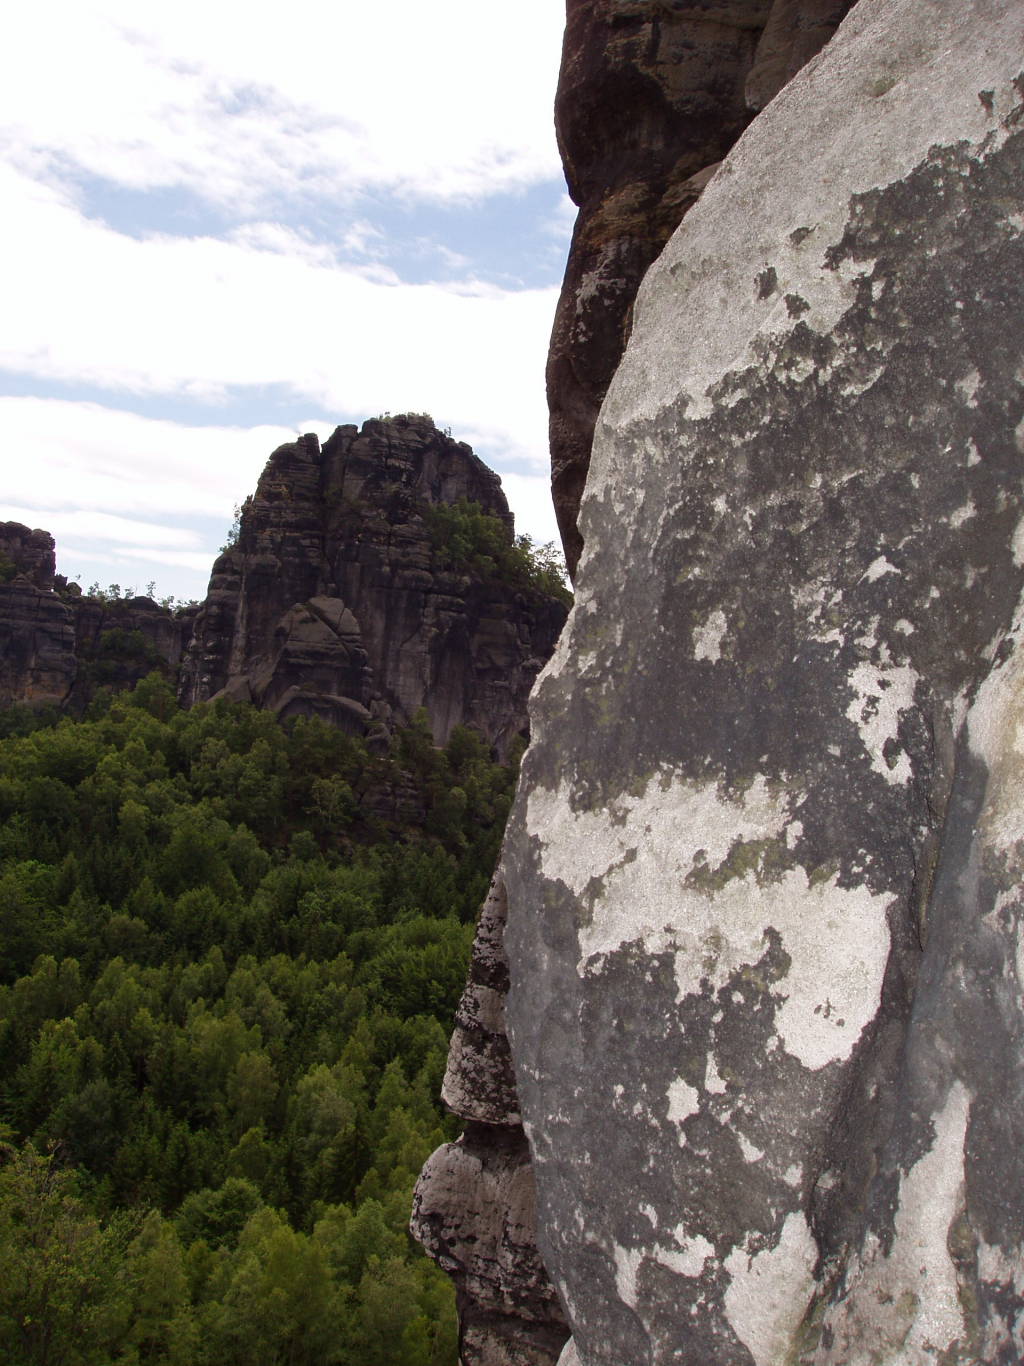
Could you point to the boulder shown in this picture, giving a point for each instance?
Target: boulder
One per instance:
(651, 96)
(333, 600)
(764, 864)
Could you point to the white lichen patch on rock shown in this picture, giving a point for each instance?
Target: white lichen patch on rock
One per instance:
(995, 729)
(641, 853)
(683, 1101)
(707, 639)
(882, 694)
(689, 1257)
(769, 1291)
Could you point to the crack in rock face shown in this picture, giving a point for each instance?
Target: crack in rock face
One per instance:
(765, 926)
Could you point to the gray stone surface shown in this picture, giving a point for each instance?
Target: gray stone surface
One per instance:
(479, 1082)
(651, 93)
(767, 1003)
(474, 1201)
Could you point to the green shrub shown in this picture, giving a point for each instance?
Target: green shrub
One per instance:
(464, 537)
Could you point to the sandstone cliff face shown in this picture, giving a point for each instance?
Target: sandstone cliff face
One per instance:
(58, 648)
(117, 643)
(331, 601)
(764, 866)
(651, 96)
(37, 631)
(473, 1209)
(27, 552)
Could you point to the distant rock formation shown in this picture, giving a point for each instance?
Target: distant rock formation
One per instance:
(37, 629)
(119, 641)
(332, 603)
(651, 96)
(474, 1201)
(31, 554)
(764, 867)
(58, 646)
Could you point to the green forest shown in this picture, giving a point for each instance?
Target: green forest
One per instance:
(231, 954)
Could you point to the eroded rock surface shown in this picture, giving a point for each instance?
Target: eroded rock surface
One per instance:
(37, 645)
(474, 1201)
(767, 1005)
(57, 646)
(651, 96)
(29, 552)
(331, 601)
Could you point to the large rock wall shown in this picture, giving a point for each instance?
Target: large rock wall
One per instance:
(58, 646)
(764, 866)
(651, 96)
(331, 601)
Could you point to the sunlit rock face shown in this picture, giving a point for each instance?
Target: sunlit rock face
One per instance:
(329, 603)
(767, 989)
(652, 94)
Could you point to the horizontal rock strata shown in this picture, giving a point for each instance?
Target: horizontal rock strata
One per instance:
(767, 1003)
(29, 553)
(37, 645)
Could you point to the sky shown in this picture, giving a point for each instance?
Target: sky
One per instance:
(227, 224)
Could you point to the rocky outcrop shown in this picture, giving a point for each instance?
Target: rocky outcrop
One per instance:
(474, 1202)
(764, 865)
(120, 641)
(27, 552)
(333, 601)
(37, 645)
(652, 94)
(58, 646)
(37, 629)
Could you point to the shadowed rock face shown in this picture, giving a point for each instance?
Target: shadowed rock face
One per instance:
(651, 96)
(32, 553)
(473, 1205)
(58, 648)
(37, 633)
(330, 602)
(764, 866)
(37, 645)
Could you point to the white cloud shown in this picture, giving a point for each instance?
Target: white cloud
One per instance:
(96, 471)
(317, 97)
(178, 316)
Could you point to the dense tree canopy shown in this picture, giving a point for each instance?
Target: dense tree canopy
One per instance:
(231, 953)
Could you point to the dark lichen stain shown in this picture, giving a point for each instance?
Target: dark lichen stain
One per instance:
(767, 282)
